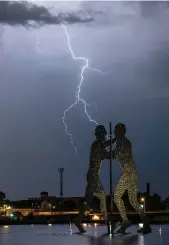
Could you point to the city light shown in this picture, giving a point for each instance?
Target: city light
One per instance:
(95, 217)
(5, 207)
(6, 226)
(160, 230)
(49, 224)
(141, 225)
(84, 225)
(142, 199)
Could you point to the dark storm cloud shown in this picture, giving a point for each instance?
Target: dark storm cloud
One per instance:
(152, 9)
(22, 13)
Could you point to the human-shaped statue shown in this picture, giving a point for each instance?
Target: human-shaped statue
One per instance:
(127, 181)
(94, 186)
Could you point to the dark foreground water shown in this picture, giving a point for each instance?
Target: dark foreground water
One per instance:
(60, 235)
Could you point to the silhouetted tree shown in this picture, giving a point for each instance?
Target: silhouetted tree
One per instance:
(2, 196)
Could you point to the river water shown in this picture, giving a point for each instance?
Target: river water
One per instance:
(61, 235)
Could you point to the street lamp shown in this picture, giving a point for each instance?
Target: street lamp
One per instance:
(143, 200)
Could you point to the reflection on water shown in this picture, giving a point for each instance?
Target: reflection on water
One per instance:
(96, 235)
(117, 239)
(141, 240)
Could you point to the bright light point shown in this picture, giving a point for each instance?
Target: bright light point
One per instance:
(142, 199)
(49, 224)
(8, 207)
(11, 215)
(95, 217)
(141, 206)
(95, 225)
(141, 225)
(78, 98)
(6, 226)
(160, 230)
(84, 225)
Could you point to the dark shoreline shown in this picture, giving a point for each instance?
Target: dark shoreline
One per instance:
(46, 220)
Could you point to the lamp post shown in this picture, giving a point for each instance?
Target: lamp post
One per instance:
(61, 170)
(143, 200)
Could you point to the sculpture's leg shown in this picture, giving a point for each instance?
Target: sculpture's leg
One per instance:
(132, 193)
(102, 197)
(87, 203)
(121, 187)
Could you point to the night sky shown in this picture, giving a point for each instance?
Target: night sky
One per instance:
(130, 41)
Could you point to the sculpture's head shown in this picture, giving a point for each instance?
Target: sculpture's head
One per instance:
(100, 132)
(120, 131)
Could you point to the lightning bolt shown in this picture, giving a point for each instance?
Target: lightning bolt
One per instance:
(38, 45)
(78, 98)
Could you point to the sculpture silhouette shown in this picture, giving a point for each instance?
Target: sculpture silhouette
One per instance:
(128, 179)
(94, 186)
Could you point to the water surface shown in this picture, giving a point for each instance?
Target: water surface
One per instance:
(60, 235)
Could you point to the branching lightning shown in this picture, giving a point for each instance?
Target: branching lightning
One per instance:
(78, 98)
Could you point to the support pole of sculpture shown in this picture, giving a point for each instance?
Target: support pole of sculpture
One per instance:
(61, 170)
(111, 192)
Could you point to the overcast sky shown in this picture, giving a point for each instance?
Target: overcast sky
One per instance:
(39, 81)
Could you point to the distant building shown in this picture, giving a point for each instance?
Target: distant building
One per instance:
(47, 205)
(166, 204)
(44, 195)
